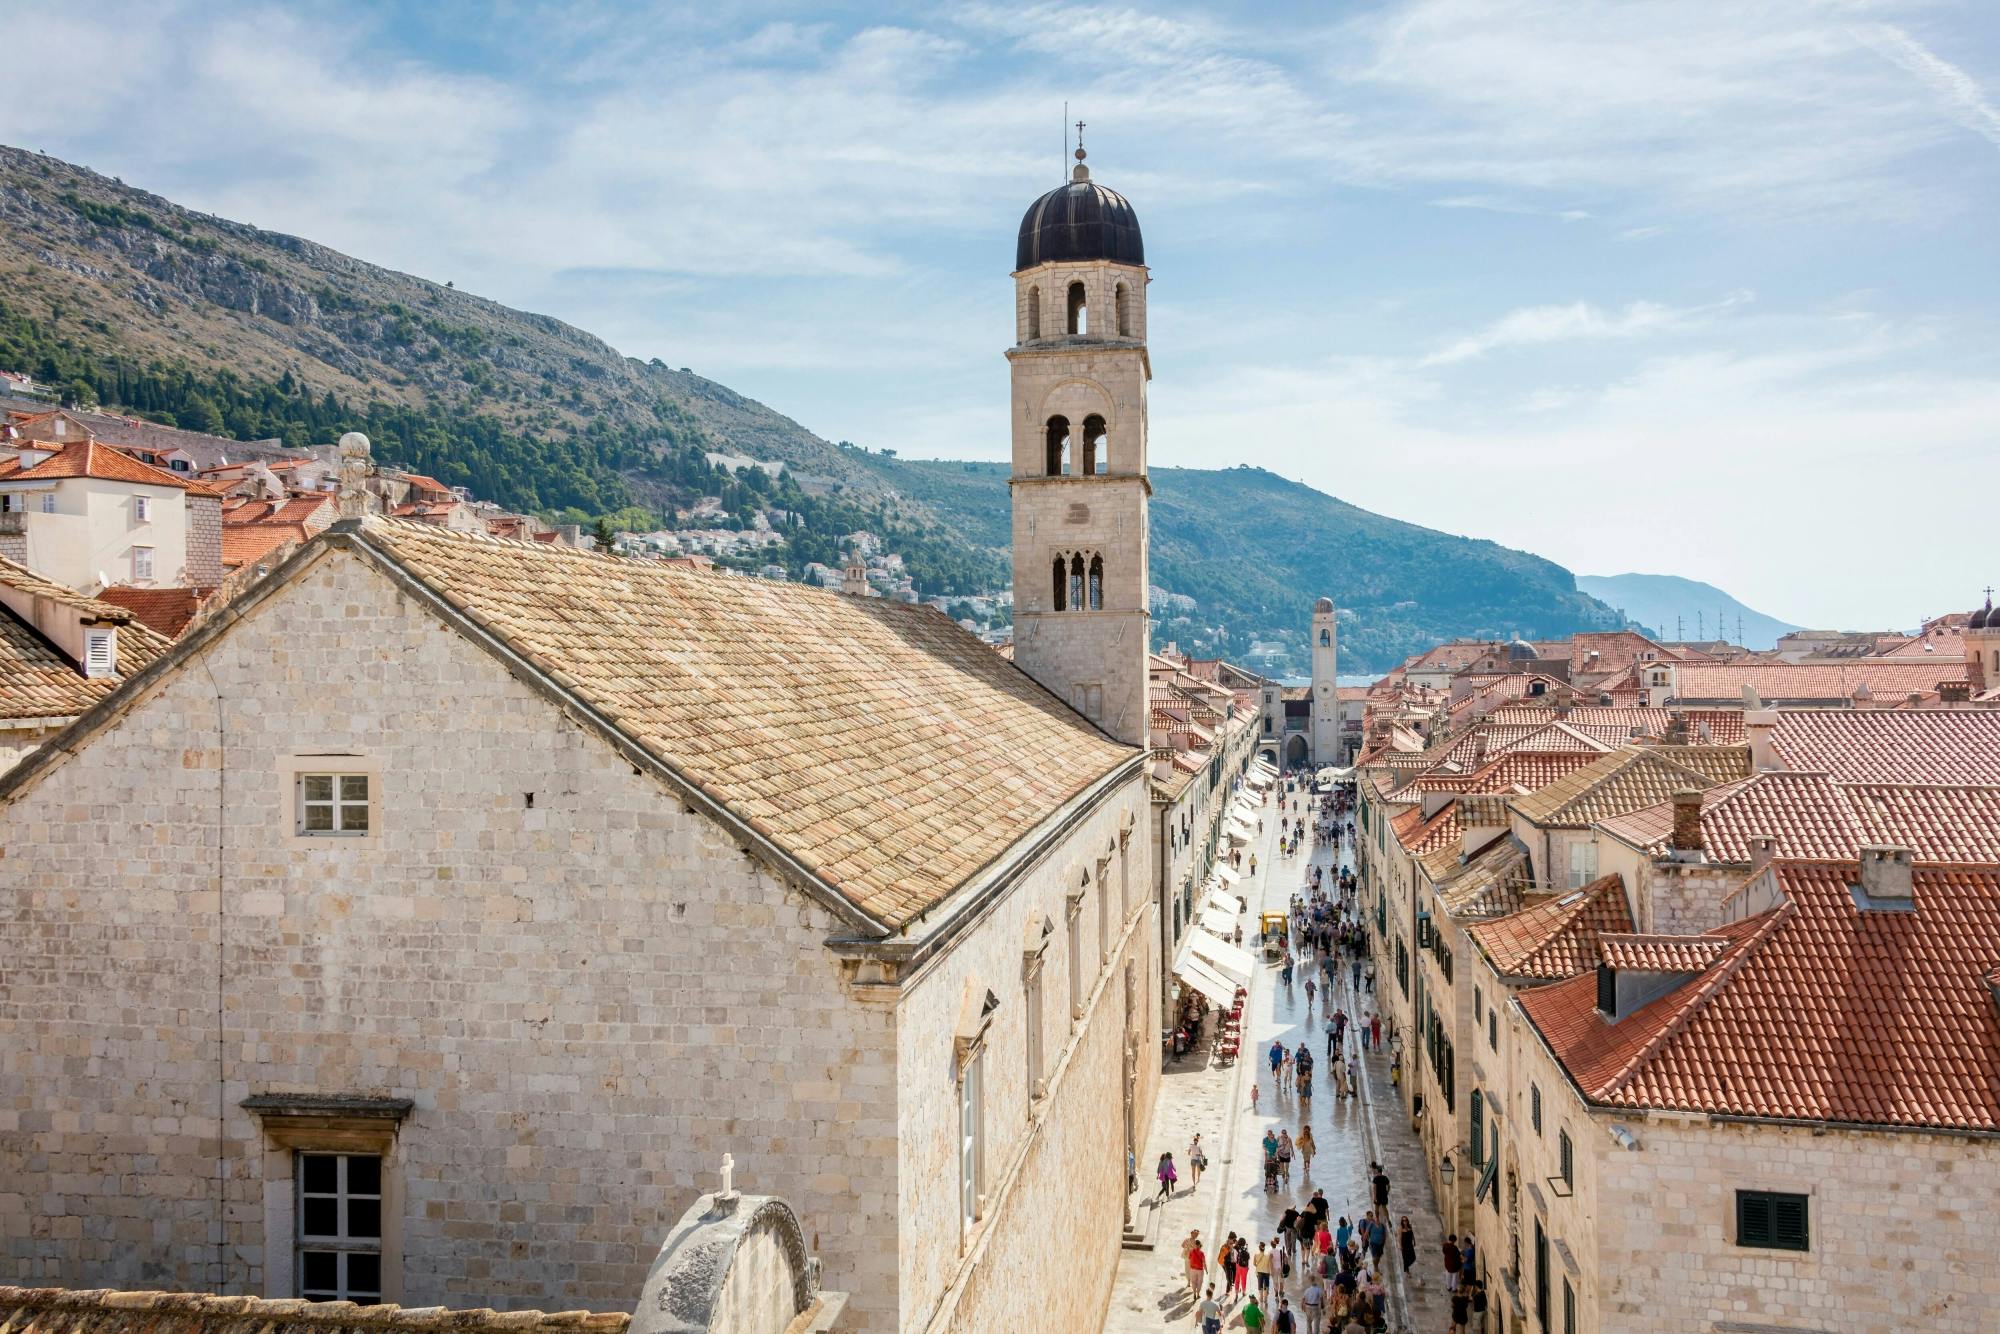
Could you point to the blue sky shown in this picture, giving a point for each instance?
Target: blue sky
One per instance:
(1694, 288)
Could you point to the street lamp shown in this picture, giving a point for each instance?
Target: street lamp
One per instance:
(1446, 1171)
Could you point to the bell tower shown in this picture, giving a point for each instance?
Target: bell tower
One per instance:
(1079, 370)
(1325, 683)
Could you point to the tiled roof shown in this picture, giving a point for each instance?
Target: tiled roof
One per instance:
(1725, 726)
(1813, 817)
(39, 681)
(164, 610)
(889, 752)
(1558, 937)
(1817, 1010)
(87, 458)
(1629, 778)
(96, 1311)
(292, 509)
(243, 543)
(1661, 954)
(1490, 884)
(1886, 680)
(1515, 771)
(1615, 649)
(1941, 746)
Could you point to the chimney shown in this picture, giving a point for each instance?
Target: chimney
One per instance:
(1763, 847)
(1885, 877)
(1685, 841)
(854, 578)
(1759, 725)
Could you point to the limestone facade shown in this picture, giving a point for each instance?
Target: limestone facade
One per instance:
(586, 993)
(1081, 619)
(1326, 711)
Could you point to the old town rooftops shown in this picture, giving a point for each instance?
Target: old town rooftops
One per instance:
(96, 1311)
(1924, 747)
(1629, 778)
(39, 680)
(87, 458)
(874, 746)
(1817, 1010)
(1557, 937)
(1809, 815)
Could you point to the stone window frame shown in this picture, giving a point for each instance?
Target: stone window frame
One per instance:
(340, 1243)
(299, 1123)
(1772, 1241)
(291, 768)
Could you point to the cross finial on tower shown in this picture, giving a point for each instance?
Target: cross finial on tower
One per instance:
(1079, 141)
(728, 1175)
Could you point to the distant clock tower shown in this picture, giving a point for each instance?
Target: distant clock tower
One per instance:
(1325, 683)
(1080, 368)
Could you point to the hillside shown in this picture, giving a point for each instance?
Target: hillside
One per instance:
(1253, 550)
(1683, 608)
(127, 299)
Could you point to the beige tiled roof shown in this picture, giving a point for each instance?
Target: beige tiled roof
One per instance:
(96, 1311)
(39, 681)
(1942, 746)
(1557, 937)
(1630, 778)
(1490, 884)
(888, 751)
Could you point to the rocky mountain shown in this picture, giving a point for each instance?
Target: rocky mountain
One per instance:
(1684, 608)
(127, 299)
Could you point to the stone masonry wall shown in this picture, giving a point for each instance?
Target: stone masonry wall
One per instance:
(204, 541)
(589, 993)
(1054, 1166)
(1901, 1230)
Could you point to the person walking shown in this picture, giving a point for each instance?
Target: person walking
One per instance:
(1285, 1149)
(1461, 1311)
(1332, 1037)
(1378, 1241)
(1375, 1029)
(1312, 1302)
(1452, 1259)
(1226, 1257)
(1210, 1313)
(1168, 1176)
(1306, 1149)
(1277, 1058)
(1197, 1162)
(1379, 1184)
(1242, 1266)
(1406, 1237)
(1253, 1316)
(1197, 1268)
(1260, 1263)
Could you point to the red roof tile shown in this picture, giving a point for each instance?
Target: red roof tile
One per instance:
(243, 543)
(87, 458)
(167, 610)
(1886, 680)
(1943, 746)
(1557, 937)
(1817, 1010)
(1661, 954)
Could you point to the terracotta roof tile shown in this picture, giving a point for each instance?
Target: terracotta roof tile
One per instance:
(1940, 746)
(887, 750)
(1661, 954)
(37, 680)
(1811, 681)
(243, 543)
(1817, 1010)
(1557, 937)
(166, 611)
(88, 458)
(1629, 778)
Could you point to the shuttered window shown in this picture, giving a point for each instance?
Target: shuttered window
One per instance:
(1772, 1219)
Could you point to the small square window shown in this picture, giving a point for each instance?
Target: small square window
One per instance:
(48, 502)
(332, 804)
(1773, 1219)
(339, 1241)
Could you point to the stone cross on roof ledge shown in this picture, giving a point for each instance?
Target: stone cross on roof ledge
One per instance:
(728, 1177)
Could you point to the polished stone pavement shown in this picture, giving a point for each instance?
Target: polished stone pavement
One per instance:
(1200, 1096)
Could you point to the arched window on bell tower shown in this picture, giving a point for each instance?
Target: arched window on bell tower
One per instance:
(1076, 589)
(1058, 443)
(1079, 309)
(1092, 455)
(1097, 583)
(1122, 308)
(1059, 599)
(1035, 313)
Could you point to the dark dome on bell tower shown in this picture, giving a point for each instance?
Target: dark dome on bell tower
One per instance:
(1081, 221)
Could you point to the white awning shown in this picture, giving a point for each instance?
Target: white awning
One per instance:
(1240, 833)
(1245, 811)
(1233, 963)
(1193, 973)
(1258, 779)
(1228, 875)
(1216, 920)
(1264, 767)
(1223, 902)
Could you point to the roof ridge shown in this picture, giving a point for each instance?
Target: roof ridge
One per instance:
(1711, 982)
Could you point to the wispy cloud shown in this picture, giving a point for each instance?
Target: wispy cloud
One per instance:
(1579, 321)
(1965, 100)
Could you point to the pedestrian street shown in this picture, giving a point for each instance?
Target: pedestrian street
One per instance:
(1201, 1095)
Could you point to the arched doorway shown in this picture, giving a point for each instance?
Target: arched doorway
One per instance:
(1295, 752)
